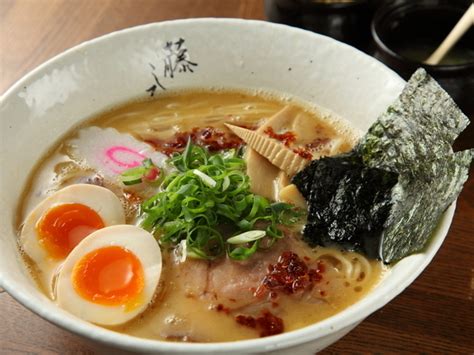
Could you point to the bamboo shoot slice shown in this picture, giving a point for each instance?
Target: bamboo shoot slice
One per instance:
(291, 194)
(275, 152)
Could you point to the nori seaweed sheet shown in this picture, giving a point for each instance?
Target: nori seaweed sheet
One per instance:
(345, 186)
(421, 124)
(412, 141)
(419, 203)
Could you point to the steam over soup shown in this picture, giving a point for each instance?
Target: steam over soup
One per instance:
(215, 252)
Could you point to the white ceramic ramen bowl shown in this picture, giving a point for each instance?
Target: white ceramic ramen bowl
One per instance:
(121, 66)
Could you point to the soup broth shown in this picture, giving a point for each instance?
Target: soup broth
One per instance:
(220, 299)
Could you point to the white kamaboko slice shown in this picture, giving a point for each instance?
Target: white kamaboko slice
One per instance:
(111, 153)
(58, 223)
(274, 151)
(111, 276)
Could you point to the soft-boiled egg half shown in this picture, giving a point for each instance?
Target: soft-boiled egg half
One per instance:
(52, 230)
(111, 276)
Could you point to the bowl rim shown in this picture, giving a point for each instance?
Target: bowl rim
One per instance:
(342, 320)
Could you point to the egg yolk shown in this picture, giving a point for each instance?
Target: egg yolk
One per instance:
(109, 276)
(62, 227)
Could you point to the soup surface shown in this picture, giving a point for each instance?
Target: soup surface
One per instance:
(220, 299)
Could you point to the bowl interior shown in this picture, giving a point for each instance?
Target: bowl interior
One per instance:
(185, 54)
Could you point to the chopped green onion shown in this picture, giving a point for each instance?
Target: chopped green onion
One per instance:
(225, 183)
(132, 176)
(181, 251)
(242, 253)
(205, 178)
(246, 237)
(146, 172)
(206, 192)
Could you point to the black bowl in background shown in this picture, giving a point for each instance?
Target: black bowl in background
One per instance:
(346, 21)
(402, 26)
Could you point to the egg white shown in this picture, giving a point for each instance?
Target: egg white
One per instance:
(101, 200)
(136, 240)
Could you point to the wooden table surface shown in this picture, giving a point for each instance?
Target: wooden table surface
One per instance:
(434, 315)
